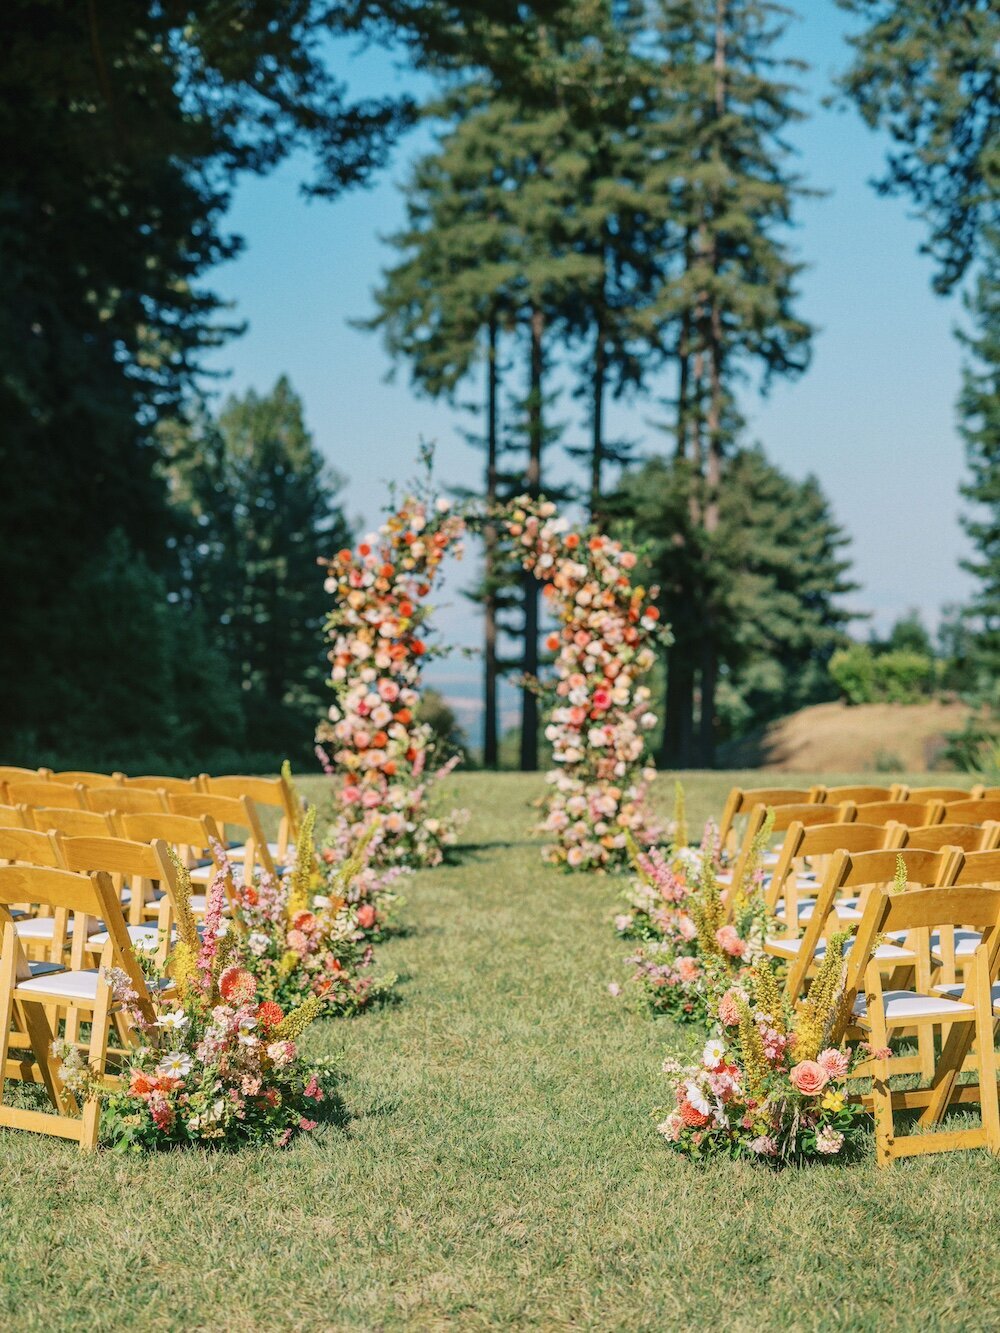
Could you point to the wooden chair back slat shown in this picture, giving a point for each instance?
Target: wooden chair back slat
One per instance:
(970, 837)
(72, 823)
(38, 792)
(972, 811)
(126, 800)
(914, 814)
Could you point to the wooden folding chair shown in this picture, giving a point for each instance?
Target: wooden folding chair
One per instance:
(850, 879)
(14, 816)
(42, 934)
(790, 898)
(741, 801)
(35, 989)
(153, 783)
(11, 773)
(83, 778)
(785, 816)
(954, 948)
(878, 1014)
(190, 837)
(228, 812)
(970, 837)
(859, 795)
(273, 792)
(914, 814)
(147, 872)
(126, 800)
(972, 811)
(924, 794)
(73, 823)
(63, 795)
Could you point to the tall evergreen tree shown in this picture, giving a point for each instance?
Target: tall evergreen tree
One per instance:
(725, 305)
(775, 571)
(979, 407)
(264, 508)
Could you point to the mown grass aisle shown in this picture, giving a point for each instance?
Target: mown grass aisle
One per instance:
(498, 1166)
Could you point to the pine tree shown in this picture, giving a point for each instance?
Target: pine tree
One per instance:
(264, 508)
(728, 288)
(928, 73)
(775, 572)
(979, 406)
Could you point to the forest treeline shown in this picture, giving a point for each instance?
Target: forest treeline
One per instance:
(605, 210)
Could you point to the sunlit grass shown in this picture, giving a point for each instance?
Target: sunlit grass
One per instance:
(499, 1167)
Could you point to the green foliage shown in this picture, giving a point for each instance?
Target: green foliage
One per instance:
(449, 738)
(928, 73)
(897, 677)
(774, 573)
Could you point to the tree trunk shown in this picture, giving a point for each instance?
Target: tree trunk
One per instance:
(536, 441)
(676, 749)
(597, 435)
(491, 745)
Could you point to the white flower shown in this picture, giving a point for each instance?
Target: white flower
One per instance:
(174, 1065)
(697, 1098)
(442, 504)
(714, 1053)
(174, 1022)
(257, 943)
(829, 1141)
(623, 921)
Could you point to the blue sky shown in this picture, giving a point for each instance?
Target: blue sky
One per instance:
(873, 417)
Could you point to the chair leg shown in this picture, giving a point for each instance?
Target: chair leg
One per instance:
(881, 1092)
(987, 1059)
(97, 1059)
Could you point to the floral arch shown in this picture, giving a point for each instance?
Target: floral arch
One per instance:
(598, 706)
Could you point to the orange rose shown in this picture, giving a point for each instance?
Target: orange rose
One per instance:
(809, 1078)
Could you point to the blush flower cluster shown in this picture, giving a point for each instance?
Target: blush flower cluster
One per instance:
(601, 715)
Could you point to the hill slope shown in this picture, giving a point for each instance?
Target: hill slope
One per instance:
(835, 738)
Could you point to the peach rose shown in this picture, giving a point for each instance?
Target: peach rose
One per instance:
(808, 1077)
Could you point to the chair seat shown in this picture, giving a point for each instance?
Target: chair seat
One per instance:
(43, 927)
(73, 985)
(146, 938)
(954, 992)
(966, 941)
(846, 908)
(903, 1006)
(891, 953)
(238, 853)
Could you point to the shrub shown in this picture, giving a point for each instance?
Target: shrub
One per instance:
(853, 672)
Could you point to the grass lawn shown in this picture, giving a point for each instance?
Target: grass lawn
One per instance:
(497, 1165)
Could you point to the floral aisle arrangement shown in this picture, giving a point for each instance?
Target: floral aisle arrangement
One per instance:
(303, 933)
(604, 647)
(772, 1086)
(217, 1063)
(696, 936)
(382, 755)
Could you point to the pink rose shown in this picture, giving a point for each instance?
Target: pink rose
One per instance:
(350, 794)
(366, 916)
(809, 1078)
(601, 699)
(834, 1062)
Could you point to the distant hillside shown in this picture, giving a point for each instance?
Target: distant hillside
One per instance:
(834, 738)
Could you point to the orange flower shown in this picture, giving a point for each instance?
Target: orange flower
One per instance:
(404, 716)
(269, 1014)
(572, 540)
(345, 556)
(406, 609)
(552, 642)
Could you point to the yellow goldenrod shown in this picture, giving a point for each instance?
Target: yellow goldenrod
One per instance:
(286, 774)
(302, 872)
(747, 887)
(900, 879)
(680, 816)
(707, 909)
(755, 1062)
(818, 1015)
(187, 928)
(768, 994)
(294, 1024)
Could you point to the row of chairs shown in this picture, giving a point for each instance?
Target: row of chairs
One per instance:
(103, 793)
(741, 801)
(86, 882)
(922, 965)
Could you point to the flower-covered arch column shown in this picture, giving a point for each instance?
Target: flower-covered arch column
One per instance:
(377, 632)
(600, 714)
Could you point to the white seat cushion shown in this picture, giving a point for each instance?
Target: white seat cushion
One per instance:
(146, 938)
(40, 928)
(955, 991)
(239, 853)
(901, 1006)
(892, 953)
(64, 985)
(847, 910)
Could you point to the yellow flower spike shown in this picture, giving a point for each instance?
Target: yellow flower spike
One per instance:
(900, 879)
(680, 816)
(187, 928)
(294, 1024)
(286, 774)
(768, 994)
(305, 864)
(755, 1062)
(355, 863)
(819, 1013)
